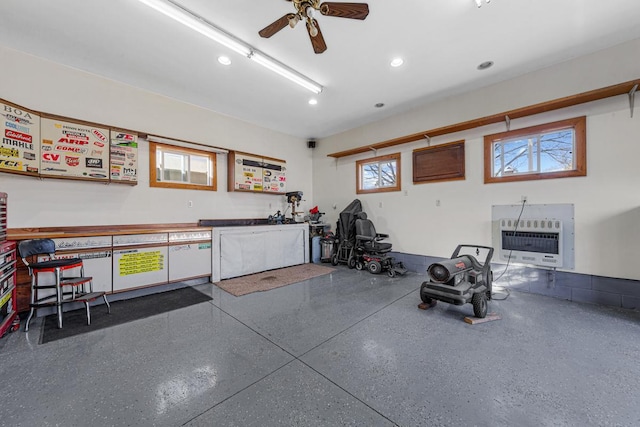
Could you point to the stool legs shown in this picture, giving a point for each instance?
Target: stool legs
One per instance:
(31, 302)
(59, 298)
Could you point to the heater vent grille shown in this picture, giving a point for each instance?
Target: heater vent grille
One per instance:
(531, 241)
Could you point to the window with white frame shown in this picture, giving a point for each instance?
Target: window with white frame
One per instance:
(552, 150)
(178, 167)
(378, 174)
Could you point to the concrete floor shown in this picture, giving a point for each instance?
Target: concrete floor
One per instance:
(348, 348)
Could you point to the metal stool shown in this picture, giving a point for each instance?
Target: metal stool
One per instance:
(76, 286)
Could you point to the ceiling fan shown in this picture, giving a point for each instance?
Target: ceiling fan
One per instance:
(306, 11)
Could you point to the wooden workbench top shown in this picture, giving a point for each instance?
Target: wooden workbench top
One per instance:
(101, 230)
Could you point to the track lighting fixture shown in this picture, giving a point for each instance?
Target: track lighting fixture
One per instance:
(207, 29)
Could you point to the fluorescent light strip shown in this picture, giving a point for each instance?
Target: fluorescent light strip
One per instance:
(207, 29)
(285, 71)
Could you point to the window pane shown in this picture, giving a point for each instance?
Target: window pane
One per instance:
(556, 151)
(199, 168)
(388, 174)
(370, 176)
(173, 167)
(517, 156)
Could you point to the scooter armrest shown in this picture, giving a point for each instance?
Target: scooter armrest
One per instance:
(361, 237)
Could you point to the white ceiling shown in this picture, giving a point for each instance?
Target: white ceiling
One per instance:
(441, 41)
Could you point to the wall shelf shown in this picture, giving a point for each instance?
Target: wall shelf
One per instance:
(543, 107)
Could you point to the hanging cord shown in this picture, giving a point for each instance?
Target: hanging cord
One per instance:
(509, 259)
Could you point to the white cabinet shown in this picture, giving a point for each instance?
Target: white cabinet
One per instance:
(137, 267)
(191, 258)
(238, 251)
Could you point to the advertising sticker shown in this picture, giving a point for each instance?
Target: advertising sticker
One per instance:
(20, 146)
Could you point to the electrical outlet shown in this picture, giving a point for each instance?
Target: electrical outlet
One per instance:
(437, 202)
(523, 199)
(269, 205)
(190, 204)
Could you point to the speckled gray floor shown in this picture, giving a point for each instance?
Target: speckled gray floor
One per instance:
(348, 348)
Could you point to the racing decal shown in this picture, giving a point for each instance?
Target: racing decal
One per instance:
(93, 163)
(20, 148)
(72, 161)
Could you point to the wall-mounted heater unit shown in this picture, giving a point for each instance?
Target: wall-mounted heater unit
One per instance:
(531, 241)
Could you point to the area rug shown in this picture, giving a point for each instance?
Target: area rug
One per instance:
(272, 279)
(75, 322)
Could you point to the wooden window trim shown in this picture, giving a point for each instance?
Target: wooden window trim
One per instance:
(397, 187)
(153, 176)
(455, 172)
(579, 124)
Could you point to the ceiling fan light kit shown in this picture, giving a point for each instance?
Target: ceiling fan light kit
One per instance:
(207, 29)
(306, 11)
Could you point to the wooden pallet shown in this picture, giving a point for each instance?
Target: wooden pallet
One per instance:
(490, 317)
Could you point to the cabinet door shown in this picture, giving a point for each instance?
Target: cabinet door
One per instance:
(138, 267)
(189, 260)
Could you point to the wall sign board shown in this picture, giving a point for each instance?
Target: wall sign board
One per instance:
(74, 150)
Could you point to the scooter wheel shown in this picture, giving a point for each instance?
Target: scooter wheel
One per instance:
(374, 267)
(479, 301)
(359, 265)
(351, 262)
(334, 259)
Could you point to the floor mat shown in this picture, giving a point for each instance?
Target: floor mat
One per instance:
(75, 322)
(272, 279)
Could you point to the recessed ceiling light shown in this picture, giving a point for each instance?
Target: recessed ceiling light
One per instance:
(379, 105)
(485, 65)
(313, 101)
(396, 62)
(224, 60)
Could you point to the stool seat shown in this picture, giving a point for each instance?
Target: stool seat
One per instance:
(52, 264)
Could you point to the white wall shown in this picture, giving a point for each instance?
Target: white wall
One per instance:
(44, 86)
(607, 200)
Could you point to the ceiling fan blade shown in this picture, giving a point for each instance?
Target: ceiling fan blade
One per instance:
(345, 10)
(276, 26)
(317, 41)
